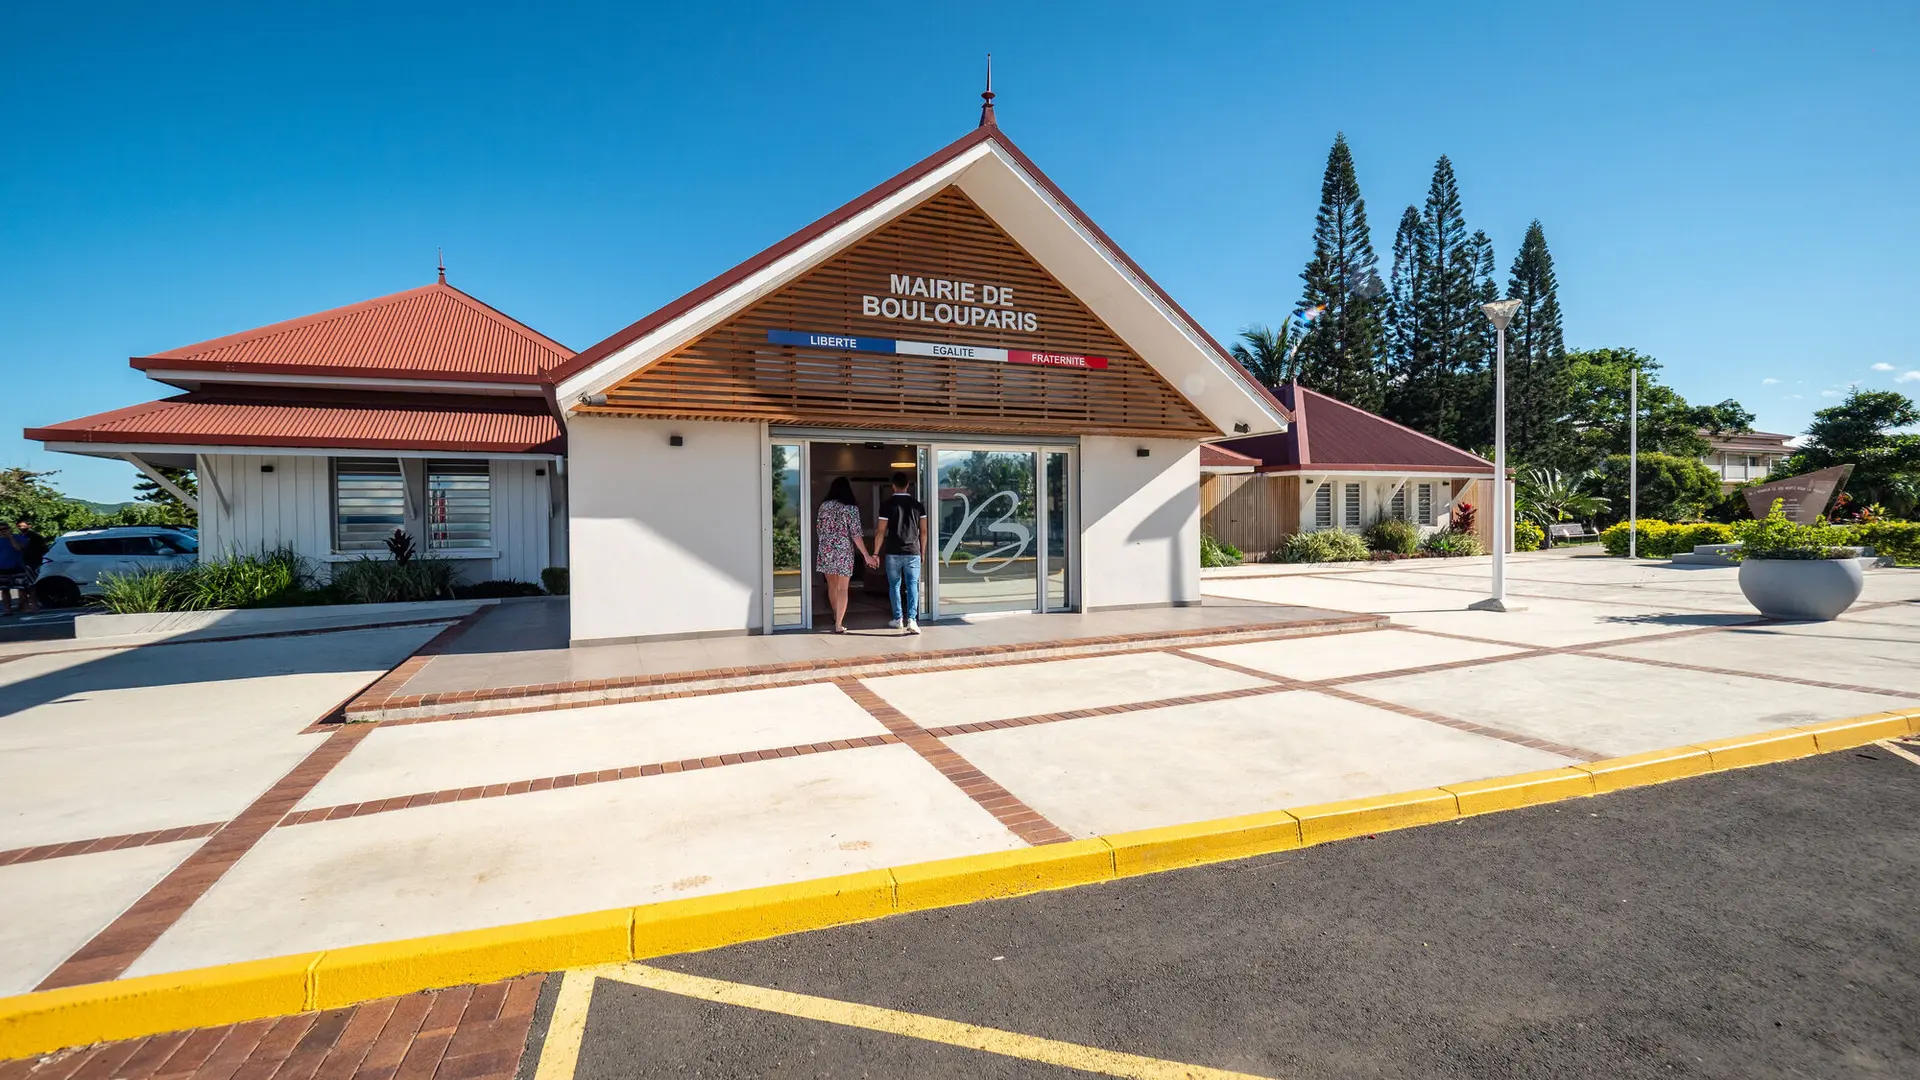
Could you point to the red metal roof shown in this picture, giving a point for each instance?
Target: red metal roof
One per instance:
(432, 332)
(1330, 435)
(985, 132)
(498, 425)
(1218, 457)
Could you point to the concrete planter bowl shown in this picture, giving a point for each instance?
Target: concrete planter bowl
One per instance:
(1813, 589)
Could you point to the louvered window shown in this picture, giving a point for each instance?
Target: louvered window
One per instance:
(1323, 506)
(1398, 507)
(1423, 504)
(369, 502)
(1350, 509)
(459, 505)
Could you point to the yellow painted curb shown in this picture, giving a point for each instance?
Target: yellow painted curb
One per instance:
(132, 1008)
(1640, 770)
(706, 922)
(366, 972)
(1002, 873)
(1382, 813)
(1171, 847)
(129, 1008)
(1526, 789)
(1762, 748)
(1841, 734)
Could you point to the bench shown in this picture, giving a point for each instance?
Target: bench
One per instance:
(1570, 530)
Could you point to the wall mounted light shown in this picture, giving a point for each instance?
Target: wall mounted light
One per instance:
(675, 440)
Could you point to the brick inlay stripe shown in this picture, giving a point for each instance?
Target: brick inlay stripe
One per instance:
(115, 948)
(1019, 818)
(461, 1033)
(598, 776)
(108, 843)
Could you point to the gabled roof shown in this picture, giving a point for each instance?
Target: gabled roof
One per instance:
(355, 421)
(1215, 456)
(1329, 435)
(435, 332)
(732, 291)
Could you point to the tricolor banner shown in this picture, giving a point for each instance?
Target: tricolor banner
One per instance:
(851, 343)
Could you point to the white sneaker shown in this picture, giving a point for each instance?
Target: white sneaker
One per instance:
(912, 627)
(893, 624)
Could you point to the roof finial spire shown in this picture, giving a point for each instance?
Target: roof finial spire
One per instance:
(443, 265)
(986, 97)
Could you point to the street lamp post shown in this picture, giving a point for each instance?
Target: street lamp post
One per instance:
(1633, 466)
(1501, 312)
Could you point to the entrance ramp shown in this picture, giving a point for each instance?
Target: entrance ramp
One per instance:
(515, 657)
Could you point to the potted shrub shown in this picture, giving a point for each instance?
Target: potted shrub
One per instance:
(1794, 571)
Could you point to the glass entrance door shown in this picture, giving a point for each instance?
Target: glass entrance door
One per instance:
(989, 530)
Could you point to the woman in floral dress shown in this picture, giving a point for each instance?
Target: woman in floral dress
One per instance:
(838, 534)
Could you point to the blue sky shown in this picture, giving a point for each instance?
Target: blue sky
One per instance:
(1728, 187)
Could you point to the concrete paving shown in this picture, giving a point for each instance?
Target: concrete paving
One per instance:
(468, 822)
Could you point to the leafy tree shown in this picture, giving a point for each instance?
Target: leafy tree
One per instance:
(1539, 405)
(1672, 488)
(1865, 431)
(1341, 354)
(1546, 497)
(1599, 380)
(1268, 354)
(1438, 380)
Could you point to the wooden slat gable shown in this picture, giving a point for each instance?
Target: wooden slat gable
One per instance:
(734, 373)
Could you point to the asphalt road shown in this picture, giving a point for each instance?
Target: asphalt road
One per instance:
(1758, 923)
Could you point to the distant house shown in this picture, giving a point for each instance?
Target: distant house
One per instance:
(1335, 467)
(1748, 455)
(425, 410)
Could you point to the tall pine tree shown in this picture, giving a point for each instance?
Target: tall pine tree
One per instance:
(1539, 412)
(1341, 356)
(1439, 371)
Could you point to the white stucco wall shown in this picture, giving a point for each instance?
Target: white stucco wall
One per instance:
(664, 540)
(1141, 537)
(244, 510)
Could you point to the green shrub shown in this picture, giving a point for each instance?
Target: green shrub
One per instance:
(1900, 539)
(1329, 545)
(1218, 552)
(1776, 537)
(1527, 536)
(143, 591)
(382, 581)
(1396, 535)
(269, 579)
(1653, 538)
(496, 589)
(1449, 544)
(554, 578)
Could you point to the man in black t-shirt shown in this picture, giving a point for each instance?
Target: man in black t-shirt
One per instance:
(900, 538)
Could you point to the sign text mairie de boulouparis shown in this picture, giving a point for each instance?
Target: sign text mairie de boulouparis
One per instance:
(948, 302)
(1803, 498)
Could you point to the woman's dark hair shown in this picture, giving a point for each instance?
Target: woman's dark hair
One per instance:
(841, 491)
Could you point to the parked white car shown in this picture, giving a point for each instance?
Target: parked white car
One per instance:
(77, 560)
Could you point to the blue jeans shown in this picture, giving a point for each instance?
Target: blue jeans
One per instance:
(903, 568)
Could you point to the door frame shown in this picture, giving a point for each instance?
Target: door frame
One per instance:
(927, 447)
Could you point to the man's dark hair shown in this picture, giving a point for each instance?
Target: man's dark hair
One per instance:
(900, 480)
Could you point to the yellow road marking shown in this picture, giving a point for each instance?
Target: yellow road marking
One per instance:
(1888, 744)
(560, 1050)
(929, 1028)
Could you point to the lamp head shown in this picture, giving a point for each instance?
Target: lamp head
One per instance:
(1501, 312)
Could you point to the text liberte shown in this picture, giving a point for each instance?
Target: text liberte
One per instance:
(949, 303)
